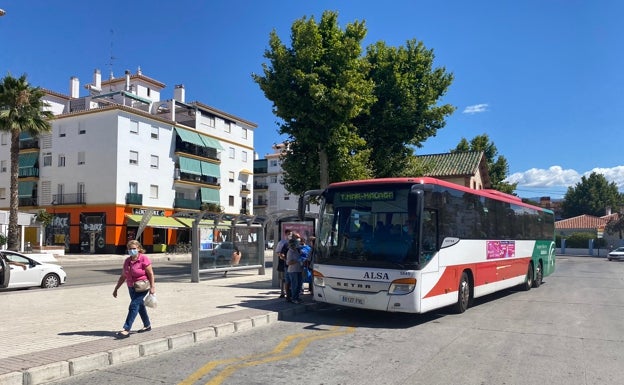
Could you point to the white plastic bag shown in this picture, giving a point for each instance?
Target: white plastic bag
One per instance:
(150, 300)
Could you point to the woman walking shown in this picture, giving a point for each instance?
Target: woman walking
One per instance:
(137, 269)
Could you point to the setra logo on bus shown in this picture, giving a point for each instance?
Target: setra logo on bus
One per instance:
(376, 275)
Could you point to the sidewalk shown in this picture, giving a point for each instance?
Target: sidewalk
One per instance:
(57, 333)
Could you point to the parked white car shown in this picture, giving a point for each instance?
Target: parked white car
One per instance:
(20, 271)
(219, 256)
(616, 254)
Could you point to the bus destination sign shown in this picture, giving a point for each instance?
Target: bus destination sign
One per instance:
(367, 196)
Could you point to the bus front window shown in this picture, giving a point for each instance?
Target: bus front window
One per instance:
(367, 228)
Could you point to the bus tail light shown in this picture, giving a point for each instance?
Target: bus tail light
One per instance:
(319, 279)
(402, 286)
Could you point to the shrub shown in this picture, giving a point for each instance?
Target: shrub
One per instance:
(581, 240)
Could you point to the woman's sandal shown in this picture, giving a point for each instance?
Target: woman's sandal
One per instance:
(122, 334)
(145, 329)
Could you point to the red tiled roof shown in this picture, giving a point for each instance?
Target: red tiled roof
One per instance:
(581, 222)
(456, 164)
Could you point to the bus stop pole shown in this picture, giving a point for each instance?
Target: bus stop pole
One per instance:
(260, 249)
(195, 249)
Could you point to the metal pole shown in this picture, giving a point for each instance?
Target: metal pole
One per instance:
(195, 241)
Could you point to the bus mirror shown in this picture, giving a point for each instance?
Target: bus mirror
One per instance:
(415, 201)
(303, 202)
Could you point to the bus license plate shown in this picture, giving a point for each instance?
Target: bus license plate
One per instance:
(352, 300)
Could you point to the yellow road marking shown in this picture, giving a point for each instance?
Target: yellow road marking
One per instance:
(233, 364)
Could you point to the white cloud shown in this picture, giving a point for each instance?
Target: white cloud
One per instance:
(558, 179)
(475, 109)
(555, 176)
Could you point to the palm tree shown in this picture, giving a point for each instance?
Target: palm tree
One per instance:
(21, 110)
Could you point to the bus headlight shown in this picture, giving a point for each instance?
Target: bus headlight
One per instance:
(402, 286)
(319, 279)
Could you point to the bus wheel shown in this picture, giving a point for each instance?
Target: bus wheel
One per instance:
(539, 276)
(463, 294)
(528, 281)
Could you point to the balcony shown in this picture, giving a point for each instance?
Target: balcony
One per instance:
(192, 149)
(181, 203)
(29, 143)
(134, 199)
(28, 172)
(69, 199)
(261, 203)
(261, 186)
(245, 190)
(204, 179)
(27, 201)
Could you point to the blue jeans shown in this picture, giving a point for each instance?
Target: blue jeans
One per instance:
(295, 285)
(136, 307)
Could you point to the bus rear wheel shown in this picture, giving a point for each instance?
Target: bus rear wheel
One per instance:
(539, 276)
(463, 294)
(528, 280)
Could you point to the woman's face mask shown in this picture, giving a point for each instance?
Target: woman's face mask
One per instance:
(133, 252)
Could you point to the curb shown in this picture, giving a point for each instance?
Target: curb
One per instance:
(97, 361)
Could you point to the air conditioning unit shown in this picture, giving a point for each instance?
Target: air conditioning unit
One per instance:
(176, 174)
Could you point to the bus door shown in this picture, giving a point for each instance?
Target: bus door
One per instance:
(429, 240)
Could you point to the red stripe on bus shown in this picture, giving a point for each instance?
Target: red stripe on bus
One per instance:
(483, 273)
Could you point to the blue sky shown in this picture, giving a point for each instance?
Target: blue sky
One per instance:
(543, 79)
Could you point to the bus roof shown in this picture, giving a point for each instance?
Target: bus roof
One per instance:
(488, 193)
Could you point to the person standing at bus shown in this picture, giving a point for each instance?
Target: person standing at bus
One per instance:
(281, 263)
(306, 251)
(295, 269)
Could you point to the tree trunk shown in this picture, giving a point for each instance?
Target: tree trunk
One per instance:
(13, 241)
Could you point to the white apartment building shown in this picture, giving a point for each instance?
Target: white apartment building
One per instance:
(271, 200)
(120, 151)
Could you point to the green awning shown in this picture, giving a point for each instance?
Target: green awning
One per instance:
(210, 169)
(155, 221)
(204, 223)
(25, 189)
(28, 160)
(209, 195)
(190, 137)
(191, 166)
(211, 142)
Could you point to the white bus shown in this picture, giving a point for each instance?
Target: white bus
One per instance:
(417, 244)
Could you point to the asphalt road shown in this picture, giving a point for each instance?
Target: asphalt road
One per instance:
(566, 332)
(91, 274)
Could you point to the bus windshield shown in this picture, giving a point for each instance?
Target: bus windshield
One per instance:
(368, 227)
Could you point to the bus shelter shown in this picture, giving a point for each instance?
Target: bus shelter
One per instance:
(278, 222)
(214, 236)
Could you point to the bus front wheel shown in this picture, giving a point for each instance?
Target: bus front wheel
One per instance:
(463, 294)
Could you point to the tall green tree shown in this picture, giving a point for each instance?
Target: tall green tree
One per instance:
(498, 168)
(405, 113)
(593, 195)
(21, 110)
(318, 86)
